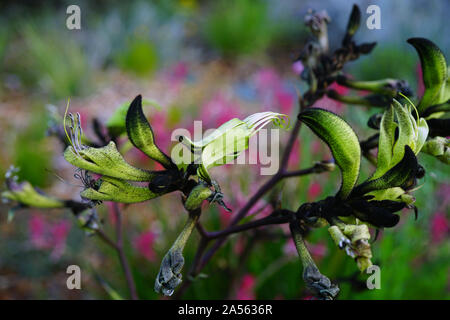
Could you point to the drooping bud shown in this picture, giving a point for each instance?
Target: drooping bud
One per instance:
(434, 73)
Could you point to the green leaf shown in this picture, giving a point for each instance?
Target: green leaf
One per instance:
(141, 135)
(106, 161)
(399, 176)
(342, 141)
(116, 190)
(434, 70)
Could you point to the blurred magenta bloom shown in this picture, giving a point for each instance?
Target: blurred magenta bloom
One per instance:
(273, 92)
(298, 67)
(218, 110)
(294, 157)
(439, 227)
(159, 123)
(444, 193)
(144, 245)
(314, 191)
(420, 85)
(176, 76)
(245, 291)
(45, 235)
(179, 72)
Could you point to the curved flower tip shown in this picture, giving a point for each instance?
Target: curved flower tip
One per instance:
(342, 141)
(434, 73)
(141, 134)
(228, 141)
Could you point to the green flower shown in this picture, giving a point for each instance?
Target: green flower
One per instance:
(374, 201)
(116, 172)
(228, 141)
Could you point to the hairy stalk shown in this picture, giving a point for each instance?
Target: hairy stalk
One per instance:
(314, 280)
(120, 251)
(169, 276)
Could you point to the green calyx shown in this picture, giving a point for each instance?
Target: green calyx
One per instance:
(117, 190)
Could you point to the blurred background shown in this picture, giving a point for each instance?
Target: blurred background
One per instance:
(208, 60)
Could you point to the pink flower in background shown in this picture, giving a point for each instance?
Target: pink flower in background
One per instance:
(218, 110)
(330, 104)
(294, 157)
(420, 85)
(284, 100)
(444, 193)
(298, 67)
(59, 232)
(267, 79)
(273, 92)
(45, 235)
(37, 226)
(245, 291)
(175, 76)
(318, 250)
(179, 72)
(144, 245)
(316, 146)
(314, 191)
(239, 246)
(439, 227)
(159, 124)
